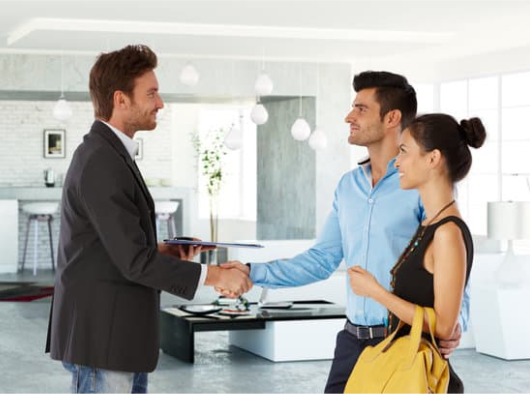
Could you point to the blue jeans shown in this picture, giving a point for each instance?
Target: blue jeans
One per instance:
(93, 380)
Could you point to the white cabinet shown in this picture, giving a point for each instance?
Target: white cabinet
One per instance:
(8, 235)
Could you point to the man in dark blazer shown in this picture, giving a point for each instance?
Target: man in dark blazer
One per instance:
(104, 317)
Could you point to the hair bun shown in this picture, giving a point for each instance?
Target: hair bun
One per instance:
(473, 132)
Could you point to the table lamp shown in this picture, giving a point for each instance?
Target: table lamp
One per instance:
(509, 220)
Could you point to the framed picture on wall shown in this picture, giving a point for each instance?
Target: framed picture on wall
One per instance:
(140, 153)
(54, 143)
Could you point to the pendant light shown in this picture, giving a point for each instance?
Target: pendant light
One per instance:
(300, 129)
(189, 76)
(259, 114)
(62, 111)
(234, 137)
(318, 140)
(264, 84)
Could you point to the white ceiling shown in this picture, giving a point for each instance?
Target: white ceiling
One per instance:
(326, 31)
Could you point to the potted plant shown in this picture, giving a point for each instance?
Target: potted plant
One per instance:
(210, 152)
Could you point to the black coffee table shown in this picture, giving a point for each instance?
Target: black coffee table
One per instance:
(178, 328)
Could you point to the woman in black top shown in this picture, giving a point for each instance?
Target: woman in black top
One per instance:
(434, 268)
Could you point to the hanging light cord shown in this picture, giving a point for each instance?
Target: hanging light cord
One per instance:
(300, 93)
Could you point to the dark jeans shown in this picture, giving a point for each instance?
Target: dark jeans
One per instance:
(347, 352)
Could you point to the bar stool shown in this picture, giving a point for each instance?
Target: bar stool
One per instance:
(165, 211)
(39, 212)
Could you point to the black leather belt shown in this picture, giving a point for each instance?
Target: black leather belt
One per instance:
(365, 332)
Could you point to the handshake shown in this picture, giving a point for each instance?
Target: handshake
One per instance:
(230, 278)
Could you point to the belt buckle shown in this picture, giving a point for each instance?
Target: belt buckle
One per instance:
(361, 332)
(370, 331)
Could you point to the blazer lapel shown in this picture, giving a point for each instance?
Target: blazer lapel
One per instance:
(103, 130)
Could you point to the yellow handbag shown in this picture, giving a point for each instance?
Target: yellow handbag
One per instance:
(409, 364)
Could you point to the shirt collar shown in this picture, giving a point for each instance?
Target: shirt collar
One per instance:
(130, 145)
(367, 168)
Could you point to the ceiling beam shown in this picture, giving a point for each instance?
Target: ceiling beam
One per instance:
(194, 29)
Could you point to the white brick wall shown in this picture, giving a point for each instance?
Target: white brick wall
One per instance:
(21, 142)
(22, 162)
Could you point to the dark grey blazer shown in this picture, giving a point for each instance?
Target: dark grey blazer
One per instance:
(109, 272)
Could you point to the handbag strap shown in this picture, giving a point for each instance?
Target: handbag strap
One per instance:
(431, 321)
(416, 331)
(389, 340)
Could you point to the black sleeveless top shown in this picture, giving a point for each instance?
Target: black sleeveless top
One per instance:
(413, 282)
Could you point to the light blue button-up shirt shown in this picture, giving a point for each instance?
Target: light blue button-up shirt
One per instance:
(368, 226)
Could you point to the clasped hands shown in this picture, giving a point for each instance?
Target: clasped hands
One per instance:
(230, 279)
(233, 279)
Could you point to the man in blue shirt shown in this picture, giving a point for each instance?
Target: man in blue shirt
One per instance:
(371, 221)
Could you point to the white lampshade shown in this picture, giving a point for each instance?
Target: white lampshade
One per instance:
(264, 85)
(259, 114)
(509, 220)
(62, 110)
(189, 75)
(318, 140)
(234, 138)
(300, 129)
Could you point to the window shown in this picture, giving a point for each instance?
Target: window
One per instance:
(237, 198)
(426, 97)
(501, 168)
(476, 98)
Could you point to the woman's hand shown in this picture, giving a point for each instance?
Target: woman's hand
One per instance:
(362, 282)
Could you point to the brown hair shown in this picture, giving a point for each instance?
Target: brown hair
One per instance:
(392, 92)
(443, 132)
(117, 71)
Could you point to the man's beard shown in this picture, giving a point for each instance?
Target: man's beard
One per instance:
(142, 122)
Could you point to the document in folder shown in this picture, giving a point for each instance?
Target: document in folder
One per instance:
(187, 241)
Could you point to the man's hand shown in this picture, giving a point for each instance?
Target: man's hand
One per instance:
(183, 252)
(238, 265)
(229, 282)
(449, 345)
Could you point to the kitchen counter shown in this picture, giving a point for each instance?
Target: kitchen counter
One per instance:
(9, 235)
(54, 193)
(14, 219)
(181, 194)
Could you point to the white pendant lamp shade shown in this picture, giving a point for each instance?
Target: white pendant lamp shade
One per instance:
(264, 85)
(234, 138)
(300, 129)
(189, 75)
(318, 140)
(259, 114)
(62, 110)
